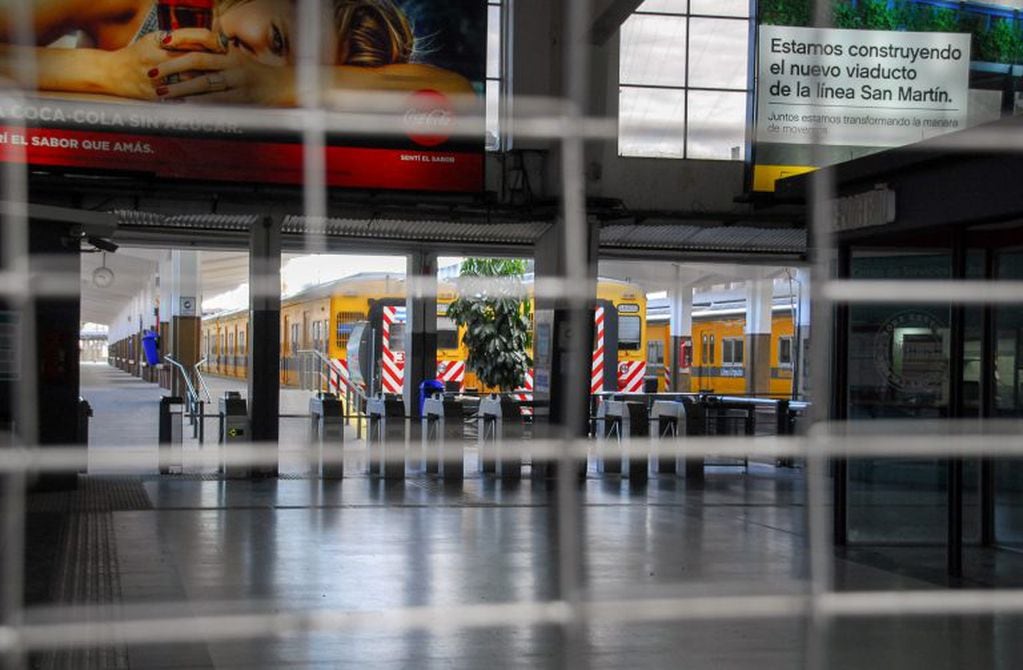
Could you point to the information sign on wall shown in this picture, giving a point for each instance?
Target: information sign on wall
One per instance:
(860, 87)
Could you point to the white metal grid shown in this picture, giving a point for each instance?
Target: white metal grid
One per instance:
(575, 608)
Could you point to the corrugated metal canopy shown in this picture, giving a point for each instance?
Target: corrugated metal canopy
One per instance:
(668, 238)
(707, 239)
(516, 233)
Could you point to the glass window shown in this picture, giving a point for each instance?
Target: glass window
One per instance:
(494, 75)
(731, 351)
(655, 352)
(629, 333)
(684, 80)
(447, 333)
(397, 337)
(785, 351)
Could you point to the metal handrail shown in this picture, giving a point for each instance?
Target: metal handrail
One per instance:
(202, 380)
(328, 363)
(193, 396)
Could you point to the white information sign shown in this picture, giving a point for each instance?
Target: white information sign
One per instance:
(871, 88)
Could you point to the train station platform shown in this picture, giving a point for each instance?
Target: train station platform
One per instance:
(148, 544)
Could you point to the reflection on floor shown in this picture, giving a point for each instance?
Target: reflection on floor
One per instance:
(362, 544)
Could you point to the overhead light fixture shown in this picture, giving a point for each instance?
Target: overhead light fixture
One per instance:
(103, 276)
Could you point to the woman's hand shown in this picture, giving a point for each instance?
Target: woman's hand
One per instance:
(232, 77)
(135, 71)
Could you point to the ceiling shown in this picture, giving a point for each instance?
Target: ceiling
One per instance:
(134, 268)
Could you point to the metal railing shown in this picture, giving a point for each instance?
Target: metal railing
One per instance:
(202, 380)
(355, 397)
(194, 405)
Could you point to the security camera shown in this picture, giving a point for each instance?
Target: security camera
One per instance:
(100, 243)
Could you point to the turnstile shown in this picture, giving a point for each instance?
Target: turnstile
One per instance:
(443, 434)
(667, 424)
(172, 414)
(619, 422)
(233, 430)
(385, 438)
(501, 433)
(326, 431)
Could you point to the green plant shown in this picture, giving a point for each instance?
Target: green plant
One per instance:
(1001, 43)
(495, 314)
(785, 12)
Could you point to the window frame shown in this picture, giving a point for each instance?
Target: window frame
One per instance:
(729, 346)
(638, 342)
(685, 88)
(790, 340)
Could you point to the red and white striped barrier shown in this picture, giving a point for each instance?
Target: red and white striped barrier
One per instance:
(525, 394)
(630, 376)
(392, 368)
(452, 372)
(597, 365)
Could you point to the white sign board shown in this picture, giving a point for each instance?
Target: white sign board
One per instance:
(872, 88)
(188, 306)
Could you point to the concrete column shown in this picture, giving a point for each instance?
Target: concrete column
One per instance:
(165, 280)
(681, 326)
(800, 374)
(420, 332)
(264, 346)
(563, 379)
(757, 357)
(185, 320)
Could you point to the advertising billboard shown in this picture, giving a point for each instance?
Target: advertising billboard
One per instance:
(119, 84)
(884, 73)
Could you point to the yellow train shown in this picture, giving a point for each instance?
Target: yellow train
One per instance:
(717, 355)
(321, 318)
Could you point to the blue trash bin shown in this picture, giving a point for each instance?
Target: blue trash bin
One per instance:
(150, 342)
(426, 389)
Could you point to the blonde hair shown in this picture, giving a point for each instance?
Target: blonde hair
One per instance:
(370, 33)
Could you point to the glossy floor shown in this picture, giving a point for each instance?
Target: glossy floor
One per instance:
(189, 545)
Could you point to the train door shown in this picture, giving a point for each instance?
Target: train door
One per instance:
(285, 348)
(304, 339)
(387, 319)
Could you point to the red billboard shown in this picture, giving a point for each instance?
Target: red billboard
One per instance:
(147, 87)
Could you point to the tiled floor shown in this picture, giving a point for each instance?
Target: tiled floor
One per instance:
(363, 545)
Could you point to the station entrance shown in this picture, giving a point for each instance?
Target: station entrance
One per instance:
(725, 340)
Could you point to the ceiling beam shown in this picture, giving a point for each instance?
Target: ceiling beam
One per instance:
(611, 19)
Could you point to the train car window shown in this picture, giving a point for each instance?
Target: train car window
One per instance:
(294, 339)
(629, 333)
(241, 343)
(316, 335)
(731, 351)
(447, 333)
(655, 352)
(345, 322)
(397, 339)
(784, 351)
(230, 344)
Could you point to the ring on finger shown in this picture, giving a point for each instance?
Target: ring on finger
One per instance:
(216, 81)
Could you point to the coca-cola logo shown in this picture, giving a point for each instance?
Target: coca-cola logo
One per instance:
(429, 118)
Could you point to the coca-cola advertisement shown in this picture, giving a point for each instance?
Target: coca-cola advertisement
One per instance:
(221, 90)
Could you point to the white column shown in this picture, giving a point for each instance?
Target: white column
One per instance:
(680, 298)
(759, 298)
(185, 279)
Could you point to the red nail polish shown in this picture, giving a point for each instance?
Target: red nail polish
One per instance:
(168, 38)
(152, 73)
(162, 90)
